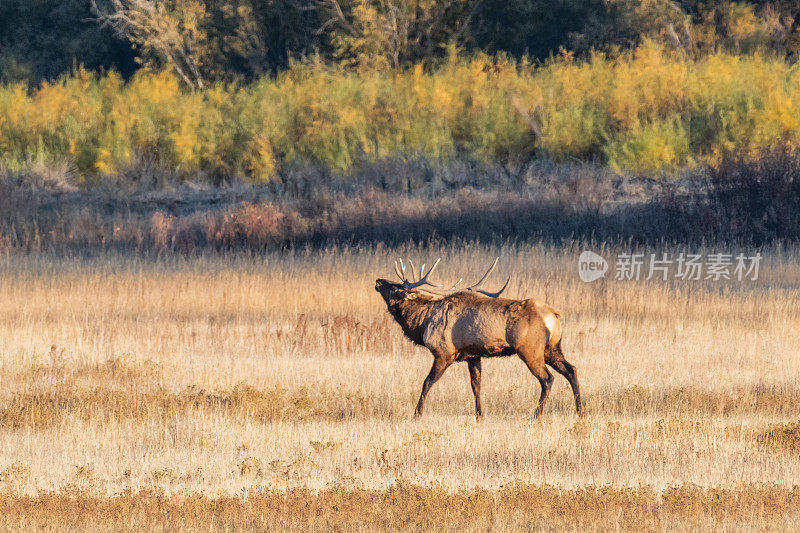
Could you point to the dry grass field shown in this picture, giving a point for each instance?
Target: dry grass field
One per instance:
(274, 391)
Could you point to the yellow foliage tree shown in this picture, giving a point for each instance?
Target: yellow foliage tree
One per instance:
(169, 32)
(396, 32)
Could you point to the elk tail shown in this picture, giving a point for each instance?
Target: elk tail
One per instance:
(553, 323)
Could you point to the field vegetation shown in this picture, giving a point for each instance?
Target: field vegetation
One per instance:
(397, 201)
(650, 110)
(233, 391)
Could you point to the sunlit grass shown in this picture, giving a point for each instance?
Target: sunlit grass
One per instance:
(232, 375)
(404, 507)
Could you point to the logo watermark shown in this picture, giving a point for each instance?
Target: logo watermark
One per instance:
(715, 266)
(591, 266)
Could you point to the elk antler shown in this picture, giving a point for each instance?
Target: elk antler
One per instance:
(424, 278)
(400, 269)
(478, 287)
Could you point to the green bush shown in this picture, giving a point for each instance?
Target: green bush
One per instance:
(644, 111)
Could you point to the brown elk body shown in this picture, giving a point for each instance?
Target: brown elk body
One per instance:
(466, 326)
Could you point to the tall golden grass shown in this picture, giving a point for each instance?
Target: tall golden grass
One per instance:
(194, 393)
(648, 110)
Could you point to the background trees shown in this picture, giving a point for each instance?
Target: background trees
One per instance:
(226, 39)
(40, 39)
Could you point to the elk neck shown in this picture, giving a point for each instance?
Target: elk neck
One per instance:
(412, 315)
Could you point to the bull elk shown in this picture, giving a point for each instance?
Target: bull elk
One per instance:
(469, 324)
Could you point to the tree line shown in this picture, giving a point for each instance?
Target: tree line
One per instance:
(204, 40)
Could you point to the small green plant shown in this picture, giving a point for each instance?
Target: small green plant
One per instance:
(320, 447)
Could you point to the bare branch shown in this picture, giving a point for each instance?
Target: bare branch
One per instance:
(170, 35)
(527, 116)
(340, 16)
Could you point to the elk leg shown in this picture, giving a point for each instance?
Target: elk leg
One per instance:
(546, 383)
(440, 364)
(475, 380)
(563, 367)
(538, 369)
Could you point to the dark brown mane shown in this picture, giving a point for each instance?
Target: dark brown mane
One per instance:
(411, 313)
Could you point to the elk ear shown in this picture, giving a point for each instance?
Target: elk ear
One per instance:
(405, 294)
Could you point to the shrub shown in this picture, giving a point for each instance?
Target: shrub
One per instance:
(643, 111)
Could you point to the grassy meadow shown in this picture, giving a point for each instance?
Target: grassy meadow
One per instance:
(238, 391)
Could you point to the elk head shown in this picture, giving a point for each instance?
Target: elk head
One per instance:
(393, 292)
